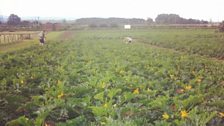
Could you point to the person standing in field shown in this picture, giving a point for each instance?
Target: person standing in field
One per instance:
(42, 37)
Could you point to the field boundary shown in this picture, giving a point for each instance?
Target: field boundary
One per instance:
(12, 37)
(26, 43)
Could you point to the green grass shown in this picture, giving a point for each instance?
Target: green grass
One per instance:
(27, 43)
(94, 78)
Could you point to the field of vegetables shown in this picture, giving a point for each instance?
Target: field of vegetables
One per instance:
(205, 42)
(94, 78)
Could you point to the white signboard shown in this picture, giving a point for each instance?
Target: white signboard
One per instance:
(127, 26)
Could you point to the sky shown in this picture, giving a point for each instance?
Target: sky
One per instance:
(196, 9)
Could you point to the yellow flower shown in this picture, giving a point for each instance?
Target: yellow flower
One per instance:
(136, 91)
(171, 76)
(61, 95)
(193, 72)
(149, 90)
(188, 87)
(122, 72)
(59, 81)
(22, 81)
(184, 114)
(165, 116)
(103, 85)
(199, 79)
(105, 105)
(221, 114)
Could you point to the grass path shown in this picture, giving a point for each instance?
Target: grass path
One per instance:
(28, 43)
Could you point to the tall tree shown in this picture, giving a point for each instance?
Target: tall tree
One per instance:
(221, 27)
(13, 20)
(176, 19)
(149, 21)
(167, 19)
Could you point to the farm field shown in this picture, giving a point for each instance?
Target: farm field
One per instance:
(22, 44)
(166, 77)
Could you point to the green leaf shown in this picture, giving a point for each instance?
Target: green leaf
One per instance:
(23, 121)
(99, 111)
(113, 92)
(100, 96)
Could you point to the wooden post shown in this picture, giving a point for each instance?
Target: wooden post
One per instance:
(4, 39)
(19, 37)
(8, 38)
(14, 39)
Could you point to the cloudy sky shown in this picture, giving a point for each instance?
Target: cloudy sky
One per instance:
(197, 9)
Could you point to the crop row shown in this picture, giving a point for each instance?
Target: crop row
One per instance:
(205, 42)
(95, 79)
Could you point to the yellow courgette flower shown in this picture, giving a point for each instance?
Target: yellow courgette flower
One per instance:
(189, 87)
(61, 95)
(136, 91)
(184, 114)
(105, 105)
(165, 116)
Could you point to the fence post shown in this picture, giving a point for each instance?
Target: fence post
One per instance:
(4, 39)
(8, 38)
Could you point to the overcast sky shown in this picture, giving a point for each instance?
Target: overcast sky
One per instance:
(197, 9)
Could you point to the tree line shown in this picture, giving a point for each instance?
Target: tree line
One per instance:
(15, 20)
(160, 19)
(176, 19)
(108, 22)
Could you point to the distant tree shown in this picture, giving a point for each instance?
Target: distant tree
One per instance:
(14, 20)
(1, 19)
(92, 25)
(149, 21)
(204, 22)
(168, 19)
(176, 19)
(54, 26)
(221, 27)
(64, 21)
(136, 21)
(108, 21)
(25, 23)
(103, 25)
(114, 25)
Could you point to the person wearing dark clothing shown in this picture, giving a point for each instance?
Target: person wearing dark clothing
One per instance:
(42, 37)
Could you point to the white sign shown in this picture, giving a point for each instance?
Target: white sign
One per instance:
(127, 26)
